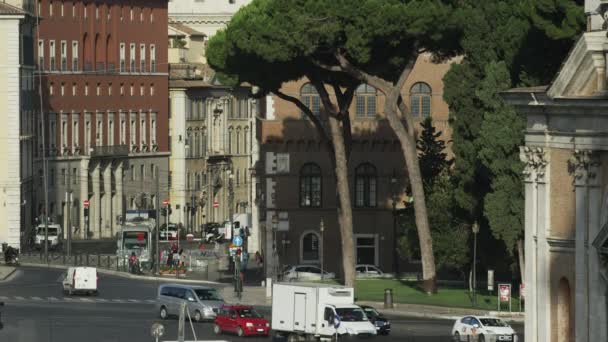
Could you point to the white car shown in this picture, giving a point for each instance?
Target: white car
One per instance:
(370, 271)
(306, 273)
(81, 280)
(486, 329)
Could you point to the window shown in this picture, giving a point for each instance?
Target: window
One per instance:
(310, 185)
(99, 130)
(142, 57)
(152, 58)
(51, 91)
(132, 172)
(152, 89)
(151, 15)
(85, 11)
(62, 88)
(110, 129)
(420, 96)
(238, 140)
(74, 176)
(141, 14)
(96, 12)
(366, 101)
(73, 89)
(73, 9)
(86, 89)
(64, 55)
(310, 98)
(153, 128)
(74, 56)
(110, 89)
(152, 171)
(141, 90)
(365, 186)
(131, 89)
(132, 57)
(62, 8)
(131, 14)
(132, 128)
(98, 89)
(52, 55)
(142, 172)
(122, 89)
(64, 131)
(50, 8)
(123, 129)
(142, 129)
(310, 247)
(74, 130)
(366, 249)
(87, 133)
(41, 54)
(122, 58)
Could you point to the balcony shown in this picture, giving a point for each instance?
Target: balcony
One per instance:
(109, 151)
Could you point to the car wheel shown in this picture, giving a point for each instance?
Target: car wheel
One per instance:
(292, 338)
(197, 316)
(163, 313)
(216, 329)
(240, 332)
(457, 337)
(481, 338)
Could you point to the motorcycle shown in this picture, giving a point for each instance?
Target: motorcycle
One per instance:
(135, 266)
(212, 234)
(11, 256)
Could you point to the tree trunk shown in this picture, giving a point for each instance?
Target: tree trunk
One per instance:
(345, 212)
(522, 260)
(410, 154)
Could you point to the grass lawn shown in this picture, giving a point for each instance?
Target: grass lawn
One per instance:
(409, 293)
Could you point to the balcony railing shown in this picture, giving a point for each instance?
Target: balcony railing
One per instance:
(101, 67)
(110, 151)
(74, 64)
(88, 66)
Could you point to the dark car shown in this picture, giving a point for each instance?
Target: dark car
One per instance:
(383, 326)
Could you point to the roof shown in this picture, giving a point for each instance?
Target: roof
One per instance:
(186, 29)
(536, 89)
(6, 9)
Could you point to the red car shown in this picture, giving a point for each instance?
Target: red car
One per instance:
(242, 320)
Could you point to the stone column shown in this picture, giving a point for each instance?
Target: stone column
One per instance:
(107, 217)
(95, 212)
(83, 180)
(118, 198)
(584, 164)
(535, 244)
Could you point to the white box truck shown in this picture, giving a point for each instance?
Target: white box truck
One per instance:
(317, 312)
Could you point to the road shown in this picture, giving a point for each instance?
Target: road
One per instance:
(37, 311)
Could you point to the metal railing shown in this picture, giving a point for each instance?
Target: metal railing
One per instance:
(110, 151)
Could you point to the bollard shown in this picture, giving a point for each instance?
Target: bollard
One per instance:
(388, 298)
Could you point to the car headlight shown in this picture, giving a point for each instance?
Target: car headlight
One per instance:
(267, 325)
(249, 324)
(208, 310)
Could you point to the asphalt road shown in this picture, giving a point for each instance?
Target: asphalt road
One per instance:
(36, 311)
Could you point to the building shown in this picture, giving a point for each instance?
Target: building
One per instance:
(566, 193)
(104, 77)
(212, 138)
(297, 183)
(16, 89)
(204, 16)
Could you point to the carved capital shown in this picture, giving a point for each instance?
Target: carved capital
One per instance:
(535, 162)
(583, 165)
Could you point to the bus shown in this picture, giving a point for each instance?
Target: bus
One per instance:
(135, 236)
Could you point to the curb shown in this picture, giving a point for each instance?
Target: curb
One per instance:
(9, 276)
(131, 276)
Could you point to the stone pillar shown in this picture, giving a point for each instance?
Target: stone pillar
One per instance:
(177, 159)
(83, 180)
(107, 217)
(536, 272)
(118, 198)
(95, 208)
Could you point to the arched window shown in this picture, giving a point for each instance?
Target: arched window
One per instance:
(230, 136)
(245, 140)
(238, 140)
(309, 247)
(310, 185)
(420, 96)
(366, 101)
(365, 186)
(310, 98)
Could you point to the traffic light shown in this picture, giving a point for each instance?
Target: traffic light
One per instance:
(86, 211)
(163, 211)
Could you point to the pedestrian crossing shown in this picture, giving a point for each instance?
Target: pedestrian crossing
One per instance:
(74, 299)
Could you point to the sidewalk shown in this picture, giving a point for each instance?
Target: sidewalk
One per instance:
(256, 296)
(5, 272)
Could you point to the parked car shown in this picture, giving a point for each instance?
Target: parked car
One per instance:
(81, 280)
(383, 326)
(306, 273)
(487, 329)
(370, 271)
(168, 234)
(242, 320)
(202, 302)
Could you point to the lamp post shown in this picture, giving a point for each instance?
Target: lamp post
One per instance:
(394, 198)
(321, 229)
(475, 231)
(275, 256)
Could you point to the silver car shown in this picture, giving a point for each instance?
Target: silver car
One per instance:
(202, 302)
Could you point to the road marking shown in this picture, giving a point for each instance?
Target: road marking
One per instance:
(133, 300)
(36, 298)
(54, 299)
(19, 298)
(118, 300)
(3, 297)
(86, 300)
(69, 299)
(101, 300)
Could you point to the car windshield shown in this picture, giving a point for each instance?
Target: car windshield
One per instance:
(207, 294)
(371, 312)
(351, 315)
(248, 313)
(493, 322)
(52, 231)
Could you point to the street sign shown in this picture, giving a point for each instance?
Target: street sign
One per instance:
(190, 237)
(166, 203)
(85, 203)
(504, 292)
(216, 204)
(490, 280)
(238, 241)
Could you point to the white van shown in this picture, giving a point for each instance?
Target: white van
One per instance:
(81, 280)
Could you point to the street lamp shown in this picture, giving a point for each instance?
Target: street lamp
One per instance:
(275, 257)
(321, 229)
(395, 198)
(475, 231)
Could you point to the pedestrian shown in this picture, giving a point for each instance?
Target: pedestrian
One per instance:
(176, 258)
(170, 258)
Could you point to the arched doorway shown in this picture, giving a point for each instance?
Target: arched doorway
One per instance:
(564, 314)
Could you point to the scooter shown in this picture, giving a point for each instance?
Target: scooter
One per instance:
(11, 256)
